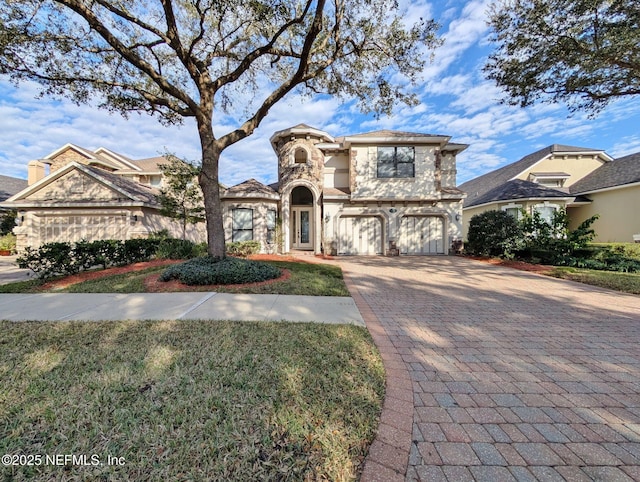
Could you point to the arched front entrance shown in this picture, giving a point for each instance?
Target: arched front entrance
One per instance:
(302, 220)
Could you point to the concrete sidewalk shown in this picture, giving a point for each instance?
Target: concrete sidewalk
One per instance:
(176, 306)
(9, 271)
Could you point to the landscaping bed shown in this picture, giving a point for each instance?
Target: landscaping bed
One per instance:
(297, 278)
(180, 400)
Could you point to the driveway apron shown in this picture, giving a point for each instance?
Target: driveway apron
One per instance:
(496, 374)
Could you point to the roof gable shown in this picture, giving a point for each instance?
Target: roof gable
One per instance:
(251, 188)
(477, 188)
(78, 183)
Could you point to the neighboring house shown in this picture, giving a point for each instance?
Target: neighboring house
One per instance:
(382, 192)
(9, 186)
(614, 191)
(558, 176)
(74, 193)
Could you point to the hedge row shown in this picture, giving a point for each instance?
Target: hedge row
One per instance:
(69, 258)
(64, 258)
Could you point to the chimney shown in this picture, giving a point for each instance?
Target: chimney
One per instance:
(36, 170)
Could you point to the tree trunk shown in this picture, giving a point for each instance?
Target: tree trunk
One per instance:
(208, 180)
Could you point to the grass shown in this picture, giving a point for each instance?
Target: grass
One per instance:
(180, 400)
(306, 279)
(625, 282)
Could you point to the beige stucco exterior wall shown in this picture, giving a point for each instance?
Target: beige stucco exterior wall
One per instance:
(576, 166)
(619, 214)
(368, 185)
(260, 208)
(150, 221)
(336, 170)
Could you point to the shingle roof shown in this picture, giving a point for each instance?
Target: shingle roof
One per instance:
(136, 190)
(518, 189)
(621, 171)
(478, 187)
(249, 188)
(10, 186)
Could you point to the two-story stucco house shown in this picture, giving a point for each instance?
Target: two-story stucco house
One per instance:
(382, 192)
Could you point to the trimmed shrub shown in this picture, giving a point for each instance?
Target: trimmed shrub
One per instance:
(49, 260)
(206, 270)
(243, 249)
(65, 258)
(172, 248)
(493, 233)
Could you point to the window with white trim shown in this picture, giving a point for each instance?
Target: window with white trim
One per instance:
(546, 211)
(398, 161)
(514, 210)
(242, 229)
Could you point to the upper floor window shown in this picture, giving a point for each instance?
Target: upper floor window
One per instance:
(396, 162)
(300, 156)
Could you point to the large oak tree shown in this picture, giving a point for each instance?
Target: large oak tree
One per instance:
(584, 53)
(207, 59)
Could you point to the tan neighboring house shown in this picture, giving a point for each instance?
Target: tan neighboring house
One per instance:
(74, 194)
(382, 192)
(584, 181)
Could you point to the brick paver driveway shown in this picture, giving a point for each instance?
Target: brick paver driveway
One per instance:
(496, 374)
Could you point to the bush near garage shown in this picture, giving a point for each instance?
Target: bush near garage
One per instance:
(535, 240)
(494, 233)
(63, 258)
(213, 271)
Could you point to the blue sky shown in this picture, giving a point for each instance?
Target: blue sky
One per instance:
(455, 100)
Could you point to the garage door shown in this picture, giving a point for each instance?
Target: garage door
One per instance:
(76, 228)
(422, 235)
(360, 235)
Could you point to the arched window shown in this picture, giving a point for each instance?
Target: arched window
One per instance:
(300, 156)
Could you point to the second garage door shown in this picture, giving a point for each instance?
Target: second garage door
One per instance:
(422, 235)
(360, 235)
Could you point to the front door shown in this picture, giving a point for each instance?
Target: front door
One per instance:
(302, 227)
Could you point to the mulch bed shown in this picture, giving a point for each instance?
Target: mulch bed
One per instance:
(151, 282)
(91, 275)
(521, 265)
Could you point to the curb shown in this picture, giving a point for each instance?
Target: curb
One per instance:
(389, 453)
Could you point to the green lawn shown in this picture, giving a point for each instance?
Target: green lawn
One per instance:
(626, 282)
(306, 279)
(181, 400)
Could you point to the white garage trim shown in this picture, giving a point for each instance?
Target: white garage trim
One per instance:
(420, 235)
(360, 235)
